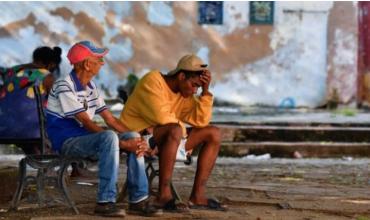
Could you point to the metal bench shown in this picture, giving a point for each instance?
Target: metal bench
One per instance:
(45, 164)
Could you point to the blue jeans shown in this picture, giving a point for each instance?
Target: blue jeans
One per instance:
(137, 181)
(104, 145)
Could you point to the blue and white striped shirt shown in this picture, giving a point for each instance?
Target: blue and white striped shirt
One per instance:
(67, 98)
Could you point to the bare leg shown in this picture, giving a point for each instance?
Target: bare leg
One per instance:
(168, 138)
(211, 138)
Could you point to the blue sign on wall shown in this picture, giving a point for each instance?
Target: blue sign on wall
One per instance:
(210, 12)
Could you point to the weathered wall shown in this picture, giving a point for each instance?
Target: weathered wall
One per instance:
(270, 65)
(294, 74)
(342, 52)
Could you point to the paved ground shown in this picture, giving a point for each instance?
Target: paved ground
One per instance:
(253, 189)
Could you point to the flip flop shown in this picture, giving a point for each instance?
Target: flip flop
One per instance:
(212, 204)
(172, 206)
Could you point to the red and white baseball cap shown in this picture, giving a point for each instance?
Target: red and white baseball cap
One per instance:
(84, 49)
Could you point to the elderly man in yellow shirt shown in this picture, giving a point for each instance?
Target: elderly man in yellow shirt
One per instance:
(163, 104)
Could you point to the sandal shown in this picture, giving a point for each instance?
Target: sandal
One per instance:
(172, 206)
(212, 204)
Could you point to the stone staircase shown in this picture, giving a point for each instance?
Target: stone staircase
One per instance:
(284, 139)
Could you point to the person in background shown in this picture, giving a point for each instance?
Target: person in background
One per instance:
(17, 93)
(124, 91)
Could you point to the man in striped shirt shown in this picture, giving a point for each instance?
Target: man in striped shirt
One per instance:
(72, 104)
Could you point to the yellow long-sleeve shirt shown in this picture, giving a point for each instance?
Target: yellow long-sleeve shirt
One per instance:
(154, 103)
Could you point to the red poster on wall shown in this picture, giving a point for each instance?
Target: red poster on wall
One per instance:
(363, 82)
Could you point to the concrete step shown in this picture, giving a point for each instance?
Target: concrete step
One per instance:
(305, 149)
(294, 133)
(287, 124)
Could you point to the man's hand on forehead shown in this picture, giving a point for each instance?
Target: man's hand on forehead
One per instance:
(205, 78)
